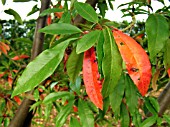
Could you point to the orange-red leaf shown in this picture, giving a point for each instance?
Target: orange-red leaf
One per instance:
(20, 57)
(168, 72)
(136, 59)
(49, 20)
(4, 48)
(17, 99)
(90, 77)
(59, 14)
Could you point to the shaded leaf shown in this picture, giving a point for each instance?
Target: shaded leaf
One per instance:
(157, 30)
(124, 116)
(63, 114)
(99, 51)
(131, 95)
(74, 122)
(42, 67)
(66, 18)
(74, 65)
(150, 107)
(149, 121)
(15, 14)
(136, 59)
(86, 11)
(167, 55)
(55, 95)
(76, 86)
(117, 95)
(85, 114)
(154, 103)
(111, 64)
(34, 10)
(60, 28)
(87, 41)
(50, 10)
(90, 78)
(3, 2)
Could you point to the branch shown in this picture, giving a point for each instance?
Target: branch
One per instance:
(164, 99)
(23, 117)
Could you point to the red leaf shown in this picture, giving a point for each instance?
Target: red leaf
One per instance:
(136, 59)
(20, 57)
(59, 14)
(49, 20)
(90, 77)
(168, 72)
(2, 74)
(10, 79)
(17, 99)
(4, 48)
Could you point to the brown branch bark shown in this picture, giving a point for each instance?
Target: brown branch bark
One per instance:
(164, 99)
(23, 116)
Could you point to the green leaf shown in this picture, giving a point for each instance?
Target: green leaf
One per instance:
(41, 68)
(3, 2)
(167, 118)
(149, 121)
(124, 116)
(87, 41)
(66, 18)
(76, 86)
(74, 122)
(47, 112)
(157, 30)
(166, 55)
(150, 107)
(99, 51)
(60, 28)
(36, 95)
(24, 40)
(0, 28)
(15, 14)
(117, 95)
(154, 103)
(111, 64)
(23, 0)
(102, 7)
(131, 95)
(34, 9)
(50, 10)
(86, 11)
(85, 114)
(55, 95)
(74, 65)
(62, 115)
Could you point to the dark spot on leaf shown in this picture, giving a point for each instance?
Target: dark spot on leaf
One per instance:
(138, 78)
(95, 61)
(134, 69)
(121, 43)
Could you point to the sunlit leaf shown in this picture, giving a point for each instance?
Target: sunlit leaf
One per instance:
(111, 64)
(42, 67)
(136, 59)
(86, 11)
(60, 28)
(90, 78)
(87, 41)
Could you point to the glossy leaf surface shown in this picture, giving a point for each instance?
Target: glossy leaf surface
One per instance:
(111, 64)
(136, 59)
(86, 11)
(42, 67)
(87, 41)
(60, 28)
(90, 78)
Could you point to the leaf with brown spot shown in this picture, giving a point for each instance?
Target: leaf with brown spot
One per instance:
(136, 59)
(90, 78)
